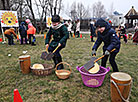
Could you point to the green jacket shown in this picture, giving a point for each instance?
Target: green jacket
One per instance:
(60, 35)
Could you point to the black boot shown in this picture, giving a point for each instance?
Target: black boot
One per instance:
(33, 44)
(92, 39)
(56, 61)
(61, 65)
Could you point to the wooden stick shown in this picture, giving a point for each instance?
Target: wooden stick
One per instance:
(103, 56)
(56, 49)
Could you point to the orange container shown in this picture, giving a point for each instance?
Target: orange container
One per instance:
(120, 87)
(25, 63)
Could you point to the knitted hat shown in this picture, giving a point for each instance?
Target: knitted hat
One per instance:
(30, 25)
(27, 21)
(55, 18)
(100, 23)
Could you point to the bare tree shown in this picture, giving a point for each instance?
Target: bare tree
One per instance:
(29, 4)
(82, 12)
(98, 10)
(73, 11)
(42, 6)
(55, 7)
(77, 11)
(111, 11)
(5, 4)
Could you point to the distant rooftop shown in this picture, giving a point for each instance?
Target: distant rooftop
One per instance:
(131, 12)
(117, 13)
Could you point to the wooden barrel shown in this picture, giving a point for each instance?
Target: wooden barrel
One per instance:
(25, 63)
(120, 87)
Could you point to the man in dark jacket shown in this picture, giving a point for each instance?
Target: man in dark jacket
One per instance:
(107, 35)
(23, 32)
(60, 35)
(92, 30)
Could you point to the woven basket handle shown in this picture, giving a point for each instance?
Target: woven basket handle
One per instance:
(64, 63)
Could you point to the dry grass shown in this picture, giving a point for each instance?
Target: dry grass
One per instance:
(51, 89)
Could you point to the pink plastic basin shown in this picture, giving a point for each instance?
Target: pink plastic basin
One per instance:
(93, 80)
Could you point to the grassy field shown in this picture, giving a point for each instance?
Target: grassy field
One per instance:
(51, 89)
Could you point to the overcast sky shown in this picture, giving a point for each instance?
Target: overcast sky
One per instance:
(122, 6)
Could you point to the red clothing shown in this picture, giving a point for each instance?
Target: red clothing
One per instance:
(135, 37)
(31, 30)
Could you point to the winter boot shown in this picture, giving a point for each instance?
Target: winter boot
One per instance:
(56, 61)
(33, 44)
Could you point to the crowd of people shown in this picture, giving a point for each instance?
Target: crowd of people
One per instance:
(27, 32)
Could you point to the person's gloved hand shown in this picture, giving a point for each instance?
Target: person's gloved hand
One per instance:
(93, 52)
(107, 52)
(59, 44)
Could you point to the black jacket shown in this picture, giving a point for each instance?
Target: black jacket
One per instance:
(23, 30)
(109, 37)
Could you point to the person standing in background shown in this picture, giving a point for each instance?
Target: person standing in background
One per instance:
(31, 34)
(74, 27)
(92, 30)
(69, 27)
(23, 32)
(78, 28)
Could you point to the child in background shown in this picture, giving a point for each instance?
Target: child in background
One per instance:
(9, 34)
(23, 32)
(78, 28)
(107, 35)
(69, 27)
(60, 36)
(31, 33)
(92, 30)
(123, 32)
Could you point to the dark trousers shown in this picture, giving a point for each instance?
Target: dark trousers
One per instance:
(92, 39)
(92, 36)
(74, 32)
(78, 34)
(10, 39)
(70, 33)
(22, 39)
(125, 38)
(111, 60)
(57, 57)
(29, 38)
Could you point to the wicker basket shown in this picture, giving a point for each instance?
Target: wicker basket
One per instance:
(43, 72)
(63, 74)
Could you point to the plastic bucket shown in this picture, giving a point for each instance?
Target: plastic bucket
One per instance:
(120, 87)
(93, 80)
(25, 63)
